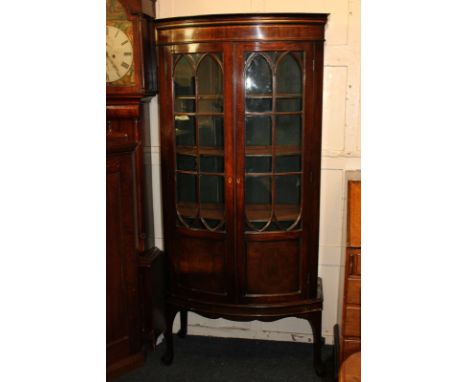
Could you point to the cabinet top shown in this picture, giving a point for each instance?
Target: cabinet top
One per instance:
(241, 27)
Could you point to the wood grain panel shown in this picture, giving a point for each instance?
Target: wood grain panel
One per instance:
(350, 346)
(201, 264)
(354, 213)
(272, 268)
(353, 293)
(121, 274)
(352, 324)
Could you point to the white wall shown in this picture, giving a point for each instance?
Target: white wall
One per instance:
(341, 151)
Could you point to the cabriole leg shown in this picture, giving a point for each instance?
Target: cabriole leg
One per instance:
(183, 324)
(169, 354)
(315, 320)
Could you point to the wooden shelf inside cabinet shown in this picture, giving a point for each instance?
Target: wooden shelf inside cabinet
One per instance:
(192, 151)
(268, 150)
(262, 212)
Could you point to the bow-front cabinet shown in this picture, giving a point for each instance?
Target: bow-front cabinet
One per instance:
(240, 119)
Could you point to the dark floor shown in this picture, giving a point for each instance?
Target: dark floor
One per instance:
(205, 359)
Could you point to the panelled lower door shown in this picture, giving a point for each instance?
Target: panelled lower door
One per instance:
(274, 97)
(200, 134)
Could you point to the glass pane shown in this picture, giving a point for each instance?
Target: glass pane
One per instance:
(288, 189)
(288, 199)
(184, 105)
(185, 130)
(258, 190)
(211, 163)
(288, 130)
(212, 223)
(288, 76)
(288, 104)
(192, 223)
(258, 131)
(258, 198)
(209, 76)
(210, 105)
(211, 189)
(258, 105)
(285, 224)
(288, 163)
(186, 163)
(257, 164)
(184, 79)
(186, 188)
(210, 130)
(258, 76)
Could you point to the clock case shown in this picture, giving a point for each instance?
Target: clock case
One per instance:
(131, 254)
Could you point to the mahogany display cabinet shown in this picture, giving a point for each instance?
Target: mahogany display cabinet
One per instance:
(240, 119)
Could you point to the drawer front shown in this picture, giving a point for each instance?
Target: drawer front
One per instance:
(354, 262)
(353, 291)
(349, 347)
(352, 322)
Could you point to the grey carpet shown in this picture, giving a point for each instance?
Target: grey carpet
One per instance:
(206, 359)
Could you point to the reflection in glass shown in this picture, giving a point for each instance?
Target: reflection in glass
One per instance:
(256, 164)
(258, 105)
(288, 104)
(288, 163)
(288, 76)
(210, 77)
(184, 79)
(186, 163)
(288, 130)
(210, 130)
(258, 76)
(258, 131)
(185, 130)
(211, 163)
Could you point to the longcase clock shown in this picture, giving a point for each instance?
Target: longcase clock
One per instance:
(130, 83)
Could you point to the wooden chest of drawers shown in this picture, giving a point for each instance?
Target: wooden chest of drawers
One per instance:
(350, 299)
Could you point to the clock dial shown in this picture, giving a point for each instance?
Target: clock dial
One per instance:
(119, 54)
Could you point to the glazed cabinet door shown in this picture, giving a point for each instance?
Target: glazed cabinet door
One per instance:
(196, 125)
(276, 182)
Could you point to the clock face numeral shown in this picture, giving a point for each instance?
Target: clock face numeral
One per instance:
(119, 54)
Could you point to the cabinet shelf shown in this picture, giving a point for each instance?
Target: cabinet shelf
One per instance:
(262, 212)
(254, 212)
(192, 150)
(268, 150)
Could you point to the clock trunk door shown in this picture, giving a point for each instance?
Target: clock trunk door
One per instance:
(274, 131)
(197, 139)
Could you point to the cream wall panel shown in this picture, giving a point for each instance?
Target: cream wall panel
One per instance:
(331, 208)
(201, 7)
(334, 109)
(330, 255)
